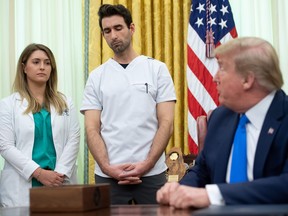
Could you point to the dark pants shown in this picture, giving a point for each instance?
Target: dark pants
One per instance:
(143, 193)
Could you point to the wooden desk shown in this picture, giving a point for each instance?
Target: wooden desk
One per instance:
(138, 210)
(120, 210)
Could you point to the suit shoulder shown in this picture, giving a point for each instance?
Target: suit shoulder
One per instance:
(222, 111)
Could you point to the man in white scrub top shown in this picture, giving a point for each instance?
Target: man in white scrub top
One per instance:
(128, 105)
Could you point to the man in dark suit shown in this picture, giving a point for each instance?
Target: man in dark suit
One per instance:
(249, 82)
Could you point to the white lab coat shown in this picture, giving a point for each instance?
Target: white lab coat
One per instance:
(16, 144)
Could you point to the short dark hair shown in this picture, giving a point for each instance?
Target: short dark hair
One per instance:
(107, 10)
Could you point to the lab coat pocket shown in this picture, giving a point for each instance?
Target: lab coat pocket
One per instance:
(9, 188)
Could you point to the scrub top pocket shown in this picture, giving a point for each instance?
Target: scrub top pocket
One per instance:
(145, 88)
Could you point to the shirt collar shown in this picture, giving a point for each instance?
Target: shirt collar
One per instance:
(257, 113)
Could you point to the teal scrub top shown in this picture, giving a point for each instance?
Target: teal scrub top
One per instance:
(43, 152)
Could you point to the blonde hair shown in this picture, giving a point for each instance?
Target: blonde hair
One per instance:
(52, 96)
(252, 54)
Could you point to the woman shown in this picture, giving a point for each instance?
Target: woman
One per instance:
(39, 130)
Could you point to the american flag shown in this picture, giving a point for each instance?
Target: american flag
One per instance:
(211, 24)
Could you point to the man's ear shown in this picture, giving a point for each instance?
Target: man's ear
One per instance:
(249, 80)
(132, 28)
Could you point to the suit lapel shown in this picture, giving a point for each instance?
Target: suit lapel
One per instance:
(267, 134)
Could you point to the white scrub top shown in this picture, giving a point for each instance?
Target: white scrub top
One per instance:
(127, 98)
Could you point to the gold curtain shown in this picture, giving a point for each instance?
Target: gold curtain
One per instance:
(161, 32)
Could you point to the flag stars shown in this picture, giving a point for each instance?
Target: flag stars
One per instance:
(224, 10)
(200, 8)
(212, 9)
(223, 23)
(199, 22)
(212, 21)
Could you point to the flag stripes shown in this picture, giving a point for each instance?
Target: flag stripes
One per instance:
(207, 16)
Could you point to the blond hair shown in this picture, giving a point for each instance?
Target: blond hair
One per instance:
(20, 85)
(252, 54)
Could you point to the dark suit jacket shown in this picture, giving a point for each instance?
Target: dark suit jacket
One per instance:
(270, 184)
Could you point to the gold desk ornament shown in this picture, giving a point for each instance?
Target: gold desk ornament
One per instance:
(175, 163)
